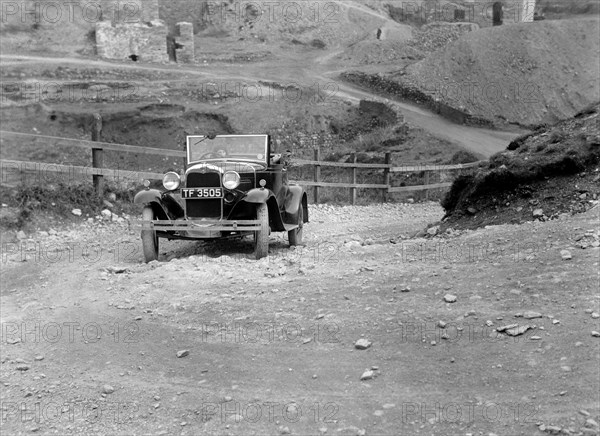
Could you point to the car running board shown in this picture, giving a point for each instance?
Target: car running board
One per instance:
(289, 227)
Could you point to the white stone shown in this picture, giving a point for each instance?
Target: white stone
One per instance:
(367, 375)
(362, 344)
(566, 255)
(449, 298)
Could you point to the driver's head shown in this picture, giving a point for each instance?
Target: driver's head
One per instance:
(221, 153)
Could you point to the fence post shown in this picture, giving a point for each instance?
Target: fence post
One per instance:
(353, 189)
(426, 183)
(317, 174)
(97, 154)
(386, 176)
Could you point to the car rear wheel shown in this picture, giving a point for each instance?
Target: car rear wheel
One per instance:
(261, 237)
(295, 236)
(149, 237)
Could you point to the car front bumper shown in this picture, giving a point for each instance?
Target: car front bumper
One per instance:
(202, 226)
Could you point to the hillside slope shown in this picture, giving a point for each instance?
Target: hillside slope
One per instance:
(526, 74)
(543, 174)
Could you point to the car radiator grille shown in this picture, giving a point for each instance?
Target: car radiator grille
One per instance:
(200, 208)
(246, 183)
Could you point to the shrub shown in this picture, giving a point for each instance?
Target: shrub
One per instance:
(463, 156)
(557, 136)
(317, 43)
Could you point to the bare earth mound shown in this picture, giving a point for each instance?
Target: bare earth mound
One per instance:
(526, 74)
(542, 175)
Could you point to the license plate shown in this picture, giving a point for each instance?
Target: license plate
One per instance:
(202, 193)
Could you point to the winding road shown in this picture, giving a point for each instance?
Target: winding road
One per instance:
(479, 140)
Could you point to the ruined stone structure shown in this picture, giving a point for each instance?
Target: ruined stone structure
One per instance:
(484, 14)
(133, 30)
(528, 11)
(508, 11)
(139, 41)
(184, 45)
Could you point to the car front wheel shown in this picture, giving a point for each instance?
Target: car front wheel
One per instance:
(295, 236)
(261, 237)
(149, 237)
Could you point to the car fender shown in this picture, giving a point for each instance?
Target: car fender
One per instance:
(165, 205)
(294, 200)
(147, 196)
(258, 196)
(275, 218)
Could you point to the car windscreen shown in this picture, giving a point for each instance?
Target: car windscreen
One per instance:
(246, 147)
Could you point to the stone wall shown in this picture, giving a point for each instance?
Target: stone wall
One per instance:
(470, 11)
(132, 30)
(146, 43)
(528, 10)
(150, 10)
(184, 43)
(514, 11)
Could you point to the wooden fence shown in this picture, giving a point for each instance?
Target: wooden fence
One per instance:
(12, 171)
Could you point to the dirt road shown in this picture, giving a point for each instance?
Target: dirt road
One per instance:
(479, 140)
(483, 141)
(90, 335)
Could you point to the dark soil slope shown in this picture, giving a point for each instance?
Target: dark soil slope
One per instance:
(553, 169)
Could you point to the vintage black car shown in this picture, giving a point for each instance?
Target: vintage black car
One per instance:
(233, 186)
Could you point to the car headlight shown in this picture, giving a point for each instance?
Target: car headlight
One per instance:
(171, 181)
(231, 180)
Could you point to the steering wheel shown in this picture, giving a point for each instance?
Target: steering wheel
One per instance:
(214, 154)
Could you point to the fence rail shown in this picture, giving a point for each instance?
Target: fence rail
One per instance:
(397, 189)
(97, 144)
(12, 171)
(340, 164)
